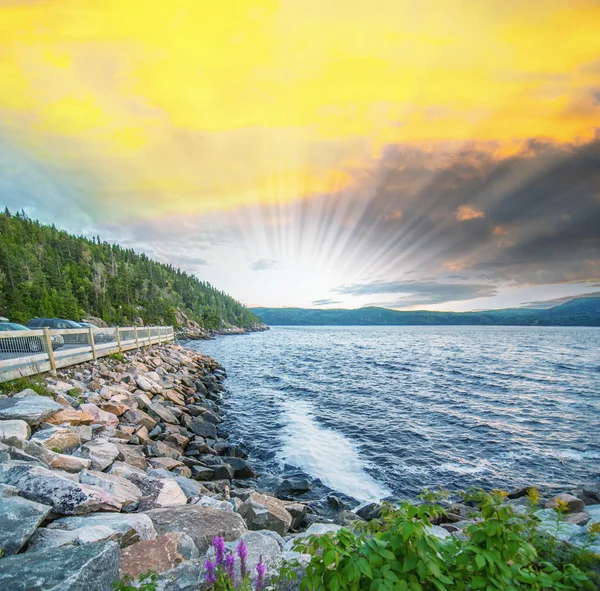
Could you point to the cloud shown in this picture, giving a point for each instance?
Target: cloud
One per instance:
(544, 304)
(419, 293)
(468, 212)
(264, 265)
(325, 302)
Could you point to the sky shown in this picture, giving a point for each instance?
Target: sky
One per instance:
(440, 155)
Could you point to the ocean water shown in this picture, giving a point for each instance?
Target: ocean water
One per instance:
(378, 412)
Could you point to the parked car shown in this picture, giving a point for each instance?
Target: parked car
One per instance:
(25, 344)
(60, 324)
(99, 337)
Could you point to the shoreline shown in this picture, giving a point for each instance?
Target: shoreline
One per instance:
(124, 461)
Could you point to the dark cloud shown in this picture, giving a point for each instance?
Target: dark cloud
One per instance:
(264, 265)
(415, 293)
(326, 302)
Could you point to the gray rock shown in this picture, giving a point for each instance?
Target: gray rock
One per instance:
(206, 501)
(296, 485)
(160, 492)
(19, 518)
(127, 471)
(203, 428)
(188, 576)
(201, 523)
(223, 472)
(264, 512)
(55, 489)
(101, 453)
(370, 511)
(58, 439)
(127, 492)
(31, 409)
(92, 567)
(14, 428)
(572, 503)
(347, 518)
(241, 468)
(202, 473)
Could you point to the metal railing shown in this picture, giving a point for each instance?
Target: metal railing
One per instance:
(28, 352)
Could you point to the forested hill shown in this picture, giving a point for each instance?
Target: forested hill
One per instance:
(584, 311)
(47, 272)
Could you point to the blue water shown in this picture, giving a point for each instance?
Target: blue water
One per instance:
(385, 411)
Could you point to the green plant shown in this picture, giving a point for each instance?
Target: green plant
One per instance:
(75, 392)
(35, 383)
(399, 553)
(146, 582)
(117, 357)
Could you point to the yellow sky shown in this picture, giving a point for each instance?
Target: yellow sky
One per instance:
(184, 107)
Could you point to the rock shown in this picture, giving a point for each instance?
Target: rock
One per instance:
(14, 428)
(72, 417)
(114, 408)
(297, 511)
(347, 518)
(132, 455)
(127, 471)
(163, 413)
(92, 567)
(19, 518)
(147, 385)
(31, 409)
(205, 501)
(188, 576)
(203, 428)
(573, 504)
(100, 416)
(165, 463)
(577, 518)
(101, 453)
(51, 488)
(223, 472)
(44, 538)
(139, 417)
(161, 492)
(296, 485)
(588, 496)
(58, 439)
(202, 473)
(47, 457)
(316, 529)
(264, 512)
(159, 555)
(125, 528)
(241, 468)
(200, 523)
(437, 531)
(127, 492)
(370, 511)
(160, 449)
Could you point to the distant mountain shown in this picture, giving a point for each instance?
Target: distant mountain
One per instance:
(584, 311)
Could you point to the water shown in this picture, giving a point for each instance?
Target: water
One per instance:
(385, 411)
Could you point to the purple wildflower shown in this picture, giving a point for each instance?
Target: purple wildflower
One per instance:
(260, 571)
(242, 552)
(230, 566)
(219, 545)
(210, 575)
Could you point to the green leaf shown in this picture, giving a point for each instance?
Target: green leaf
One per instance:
(365, 567)
(480, 561)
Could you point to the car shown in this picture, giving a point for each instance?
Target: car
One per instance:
(25, 344)
(99, 337)
(61, 324)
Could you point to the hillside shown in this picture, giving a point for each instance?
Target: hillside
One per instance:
(47, 272)
(584, 311)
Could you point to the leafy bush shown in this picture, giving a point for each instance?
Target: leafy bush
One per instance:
(117, 357)
(399, 553)
(147, 582)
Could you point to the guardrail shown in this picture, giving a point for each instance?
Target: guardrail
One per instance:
(24, 353)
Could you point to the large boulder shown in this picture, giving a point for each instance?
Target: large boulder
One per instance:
(162, 413)
(264, 512)
(101, 453)
(296, 485)
(160, 492)
(571, 503)
(100, 416)
(135, 416)
(92, 567)
(70, 416)
(203, 428)
(55, 489)
(127, 492)
(132, 455)
(241, 468)
(34, 450)
(31, 409)
(19, 518)
(159, 555)
(58, 439)
(200, 523)
(126, 529)
(15, 428)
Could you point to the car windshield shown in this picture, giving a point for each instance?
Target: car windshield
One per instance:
(12, 326)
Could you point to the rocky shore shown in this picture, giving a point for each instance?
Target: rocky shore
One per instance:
(121, 466)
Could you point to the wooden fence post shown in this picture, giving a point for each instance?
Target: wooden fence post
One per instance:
(119, 339)
(49, 349)
(137, 340)
(92, 343)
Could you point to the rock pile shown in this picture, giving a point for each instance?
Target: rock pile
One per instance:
(125, 469)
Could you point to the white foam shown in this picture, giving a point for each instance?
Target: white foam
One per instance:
(326, 454)
(465, 468)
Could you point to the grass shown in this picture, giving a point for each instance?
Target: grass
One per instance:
(117, 357)
(35, 383)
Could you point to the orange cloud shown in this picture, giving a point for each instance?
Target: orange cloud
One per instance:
(468, 212)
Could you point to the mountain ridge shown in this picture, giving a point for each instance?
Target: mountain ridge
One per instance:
(582, 311)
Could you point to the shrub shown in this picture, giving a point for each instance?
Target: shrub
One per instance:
(399, 553)
(117, 357)
(147, 582)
